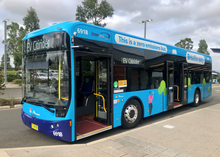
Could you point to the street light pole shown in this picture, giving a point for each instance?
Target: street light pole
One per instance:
(5, 47)
(145, 25)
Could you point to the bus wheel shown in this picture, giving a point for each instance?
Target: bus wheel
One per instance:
(131, 114)
(196, 99)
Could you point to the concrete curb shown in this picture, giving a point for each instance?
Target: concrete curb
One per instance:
(4, 107)
(18, 106)
(43, 147)
(215, 86)
(10, 107)
(10, 85)
(15, 87)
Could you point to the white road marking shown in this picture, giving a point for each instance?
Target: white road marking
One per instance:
(169, 126)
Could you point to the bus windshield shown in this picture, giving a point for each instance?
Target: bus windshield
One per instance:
(41, 84)
(46, 70)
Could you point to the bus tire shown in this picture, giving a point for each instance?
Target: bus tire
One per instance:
(131, 114)
(196, 99)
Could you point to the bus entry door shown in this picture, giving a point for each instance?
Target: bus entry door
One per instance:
(170, 85)
(185, 83)
(102, 89)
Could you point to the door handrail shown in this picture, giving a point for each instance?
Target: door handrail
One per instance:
(177, 92)
(102, 99)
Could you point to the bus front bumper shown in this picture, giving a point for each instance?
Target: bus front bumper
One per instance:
(57, 129)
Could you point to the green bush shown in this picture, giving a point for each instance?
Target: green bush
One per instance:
(17, 81)
(12, 77)
(9, 102)
(219, 79)
(2, 84)
(11, 72)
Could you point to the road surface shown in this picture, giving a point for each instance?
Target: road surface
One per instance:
(15, 134)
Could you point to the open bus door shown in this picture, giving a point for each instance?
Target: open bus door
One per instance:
(93, 106)
(102, 90)
(184, 89)
(170, 84)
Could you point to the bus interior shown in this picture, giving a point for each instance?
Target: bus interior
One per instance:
(92, 94)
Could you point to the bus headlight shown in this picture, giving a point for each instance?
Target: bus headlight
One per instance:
(51, 126)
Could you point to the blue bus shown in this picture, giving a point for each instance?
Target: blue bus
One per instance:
(80, 79)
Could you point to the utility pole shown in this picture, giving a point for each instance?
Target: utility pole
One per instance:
(5, 47)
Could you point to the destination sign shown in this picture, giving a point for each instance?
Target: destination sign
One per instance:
(131, 61)
(46, 42)
(41, 44)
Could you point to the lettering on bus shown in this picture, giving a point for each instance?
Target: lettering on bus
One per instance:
(101, 36)
(82, 31)
(195, 58)
(37, 45)
(55, 133)
(130, 61)
(129, 41)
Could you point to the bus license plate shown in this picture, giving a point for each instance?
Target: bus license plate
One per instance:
(34, 126)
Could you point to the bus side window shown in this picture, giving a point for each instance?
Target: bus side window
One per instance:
(157, 77)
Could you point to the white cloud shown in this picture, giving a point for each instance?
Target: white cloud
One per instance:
(123, 22)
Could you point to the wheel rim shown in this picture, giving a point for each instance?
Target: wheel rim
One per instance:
(131, 113)
(197, 98)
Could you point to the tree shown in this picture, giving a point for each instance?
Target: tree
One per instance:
(17, 33)
(203, 47)
(92, 12)
(18, 55)
(31, 20)
(15, 36)
(3, 61)
(14, 40)
(186, 43)
(13, 33)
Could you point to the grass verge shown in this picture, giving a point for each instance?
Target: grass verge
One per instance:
(9, 102)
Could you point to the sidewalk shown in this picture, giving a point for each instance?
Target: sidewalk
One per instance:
(12, 91)
(10, 85)
(193, 134)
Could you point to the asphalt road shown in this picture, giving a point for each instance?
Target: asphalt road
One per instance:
(13, 133)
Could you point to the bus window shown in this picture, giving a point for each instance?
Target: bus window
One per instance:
(157, 77)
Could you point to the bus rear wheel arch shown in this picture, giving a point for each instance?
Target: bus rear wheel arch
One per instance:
(131, 114)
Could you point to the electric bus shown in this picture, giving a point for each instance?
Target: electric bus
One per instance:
(80, 79)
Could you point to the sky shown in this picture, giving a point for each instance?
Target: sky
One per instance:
(173, 20)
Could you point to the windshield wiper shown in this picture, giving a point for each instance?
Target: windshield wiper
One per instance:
(43, 105)
(24, 99)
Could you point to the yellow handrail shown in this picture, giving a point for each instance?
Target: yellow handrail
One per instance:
(96, 89)
(102, 99)
(177, 92)
(59, 76)
(64, 98)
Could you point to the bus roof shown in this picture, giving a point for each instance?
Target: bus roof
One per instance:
(89, 31)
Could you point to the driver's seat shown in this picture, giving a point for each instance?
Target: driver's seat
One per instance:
(87, 86)
(86, 89)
